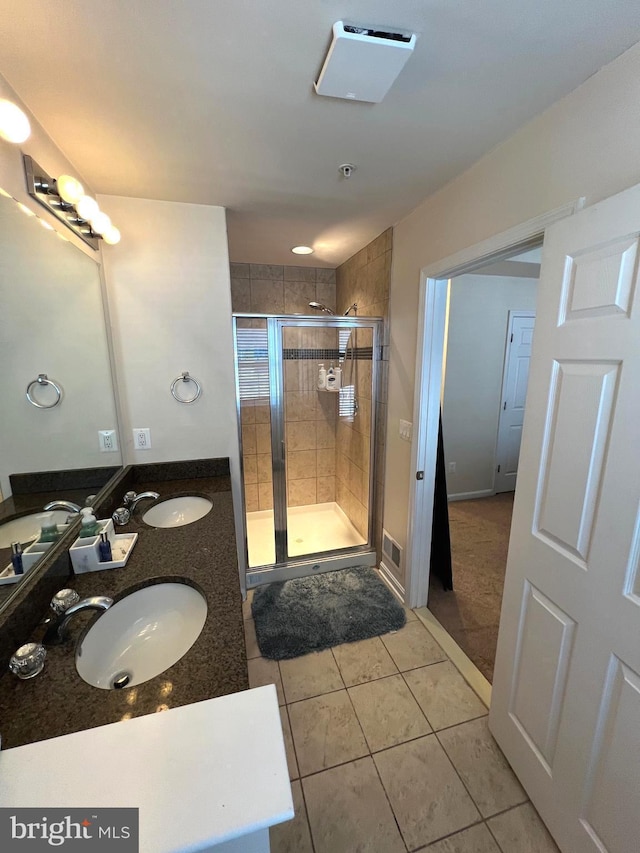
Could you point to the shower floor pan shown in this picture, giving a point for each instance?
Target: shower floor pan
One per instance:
(311, 529)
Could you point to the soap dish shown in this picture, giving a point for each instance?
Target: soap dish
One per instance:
(85, 553)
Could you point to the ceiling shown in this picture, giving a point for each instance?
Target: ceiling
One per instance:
(212, 102)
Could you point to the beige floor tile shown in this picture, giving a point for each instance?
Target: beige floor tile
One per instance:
(263, 671)
(246, 605)
(388, 713)
(363, 661)
(250, 641)
(310, 675)
(292, 836)
(349, 812)
(477, 839)
(426, 795)
(288, 744)
(409, 613)
(482, 767)
(412, 646)
(444, 695)
(326, 732)
(521, 831)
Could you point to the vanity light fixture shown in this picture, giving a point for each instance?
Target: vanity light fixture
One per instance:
(65, 198)
(14, 124)
(302, 250)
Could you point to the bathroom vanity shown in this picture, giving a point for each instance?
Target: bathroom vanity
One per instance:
(168, 745)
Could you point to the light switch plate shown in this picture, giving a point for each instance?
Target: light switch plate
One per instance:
(405, 430)
(142, 438)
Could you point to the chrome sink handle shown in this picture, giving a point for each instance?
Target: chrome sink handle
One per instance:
(56, 631)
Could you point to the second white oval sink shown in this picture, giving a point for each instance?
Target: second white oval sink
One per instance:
(141, 635)
(27, 527)
(176, 512)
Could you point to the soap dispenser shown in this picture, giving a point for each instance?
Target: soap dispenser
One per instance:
(48, 528)
(331, 378)
(89, 526)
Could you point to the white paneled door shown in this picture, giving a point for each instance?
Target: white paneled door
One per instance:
(566, 693)
(514, 392)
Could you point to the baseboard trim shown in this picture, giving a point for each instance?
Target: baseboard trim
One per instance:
(392, 582)
(469, 496)
(465, 666)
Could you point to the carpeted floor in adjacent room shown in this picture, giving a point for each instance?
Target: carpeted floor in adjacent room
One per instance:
(479, 543)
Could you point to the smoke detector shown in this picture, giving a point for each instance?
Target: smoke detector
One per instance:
(363, 63)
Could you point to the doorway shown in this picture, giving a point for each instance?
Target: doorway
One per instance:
(307, 451)
(490, 322)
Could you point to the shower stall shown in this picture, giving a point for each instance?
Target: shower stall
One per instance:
(307, 453)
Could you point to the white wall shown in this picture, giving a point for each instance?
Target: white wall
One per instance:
(479, 308)
(170, 305)
(586, 144)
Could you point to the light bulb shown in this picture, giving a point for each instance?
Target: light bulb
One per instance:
(302, 250)
(70, 189)
(87, 207)
(14, 125)
(111, 235)
(100, 222)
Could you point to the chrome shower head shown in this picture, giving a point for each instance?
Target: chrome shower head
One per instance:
(320, 307)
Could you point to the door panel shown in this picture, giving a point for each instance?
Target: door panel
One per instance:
(546, 634)
(514, 392)
(566, 707)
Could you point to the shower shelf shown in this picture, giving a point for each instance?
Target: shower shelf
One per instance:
(328, 390)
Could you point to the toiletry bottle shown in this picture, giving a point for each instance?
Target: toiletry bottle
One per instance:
(16, 558)
(104, 547)
(322, 378)
(89, 526)
(338, 384)
(48, 528)
(331, 378)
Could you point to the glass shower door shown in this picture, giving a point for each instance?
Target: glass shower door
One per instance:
(327, 435)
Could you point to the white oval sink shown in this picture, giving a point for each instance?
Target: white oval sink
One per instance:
(176, 512)
(141, 635)
(27, 527)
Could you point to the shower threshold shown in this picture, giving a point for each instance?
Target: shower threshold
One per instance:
(311, 529)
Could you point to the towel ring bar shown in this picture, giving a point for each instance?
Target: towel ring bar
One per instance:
(43, 379)
(186, 378)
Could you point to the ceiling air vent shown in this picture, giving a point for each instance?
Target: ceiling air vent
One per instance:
(363, 63)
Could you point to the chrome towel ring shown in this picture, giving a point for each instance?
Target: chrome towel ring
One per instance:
(186, 378)
(43, 379)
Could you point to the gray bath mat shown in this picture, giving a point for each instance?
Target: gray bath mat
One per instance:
(308, 614)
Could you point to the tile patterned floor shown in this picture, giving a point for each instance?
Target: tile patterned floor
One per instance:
(389, 751)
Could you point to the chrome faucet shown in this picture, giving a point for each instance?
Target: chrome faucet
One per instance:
(68, 505)
(131, 499)
(56, 631)
(123, 514)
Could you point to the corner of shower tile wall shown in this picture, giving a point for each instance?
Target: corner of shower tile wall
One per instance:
(366, 279)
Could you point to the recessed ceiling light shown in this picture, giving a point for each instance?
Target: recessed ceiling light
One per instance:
(302, 250)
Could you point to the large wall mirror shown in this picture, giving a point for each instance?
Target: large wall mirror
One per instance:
(51, 322)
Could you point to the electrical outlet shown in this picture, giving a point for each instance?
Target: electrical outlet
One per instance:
(142, 438)
(108, 439)
(451, 467)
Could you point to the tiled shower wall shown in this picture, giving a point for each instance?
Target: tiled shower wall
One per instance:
(309, 416)
(365, 278)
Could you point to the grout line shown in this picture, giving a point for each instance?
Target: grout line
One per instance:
(449, 835)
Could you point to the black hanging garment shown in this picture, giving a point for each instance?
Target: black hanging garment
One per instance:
(440, 538)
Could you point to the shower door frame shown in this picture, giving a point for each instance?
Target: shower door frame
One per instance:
(284, 567)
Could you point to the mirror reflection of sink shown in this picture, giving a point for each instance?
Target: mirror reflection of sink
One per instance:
(176, 512)
(27, 527)
(141, 635)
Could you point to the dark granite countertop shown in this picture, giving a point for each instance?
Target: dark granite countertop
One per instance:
(58, 701)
